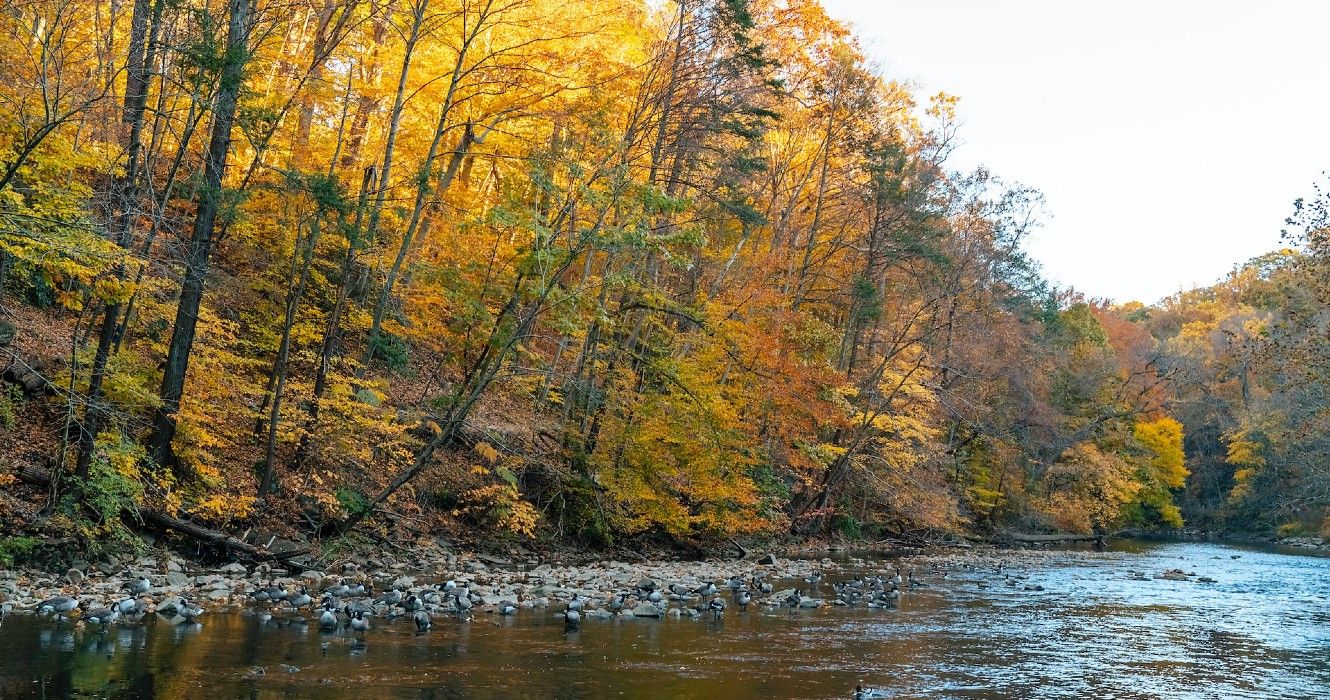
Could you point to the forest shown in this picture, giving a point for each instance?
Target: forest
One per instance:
(585, 271)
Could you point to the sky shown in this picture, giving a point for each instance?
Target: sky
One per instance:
(1170, 137)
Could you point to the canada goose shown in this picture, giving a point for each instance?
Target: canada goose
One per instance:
(277, 593)
(462, 603)
(300, 599)
(189, 611)
(103, 616)
(735, 583)
(655, 596)
(392, 597)
(572, 619)
(743, 599)
(680, 590)
(412, 603)
(140, 587)
(359, 623)
(794, 598)
(617, 601)
(708, 590)
(328, 620)
(422, 621)
(341, 590)
(814, 578)
(717, 606)
(130, 607)
(507, 607)
(576, 603)
(58, 604)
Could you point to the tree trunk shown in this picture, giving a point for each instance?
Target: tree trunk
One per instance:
(200, 244)
(126, 197)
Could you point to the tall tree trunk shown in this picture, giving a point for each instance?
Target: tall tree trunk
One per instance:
(125, 199)
(200, 243)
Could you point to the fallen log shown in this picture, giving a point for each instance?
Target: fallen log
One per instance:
(162, 520)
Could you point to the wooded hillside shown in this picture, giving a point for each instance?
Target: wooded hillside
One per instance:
(578, 268)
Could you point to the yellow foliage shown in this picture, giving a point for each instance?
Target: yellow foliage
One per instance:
(503, 506)
(220, 508)
(1163, 438)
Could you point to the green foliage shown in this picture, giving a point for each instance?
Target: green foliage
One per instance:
(15, 550)
(352, 502)
(848, 526)
(11, 399)
(391, 352)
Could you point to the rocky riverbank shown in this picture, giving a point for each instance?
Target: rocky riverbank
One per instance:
(526, 582)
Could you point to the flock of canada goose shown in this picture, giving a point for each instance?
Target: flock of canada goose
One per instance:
(351, 606)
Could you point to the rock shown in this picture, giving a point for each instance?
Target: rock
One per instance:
(174, 565)
(74, 576)
(810, 603)
(1206, 579)
(176, 578)
(646, 610)
(768, 560)
(234, 568)
(109, 568)
(288, 668)
(404, 582)
(476, 567)
(312, 576)
(222, 594)
(647, 584)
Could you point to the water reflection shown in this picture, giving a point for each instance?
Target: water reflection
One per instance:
(1094, 630)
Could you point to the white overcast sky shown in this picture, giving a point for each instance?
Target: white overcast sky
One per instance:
(1169, 136)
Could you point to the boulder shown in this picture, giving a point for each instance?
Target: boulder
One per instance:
(646, 610)
(768, 560)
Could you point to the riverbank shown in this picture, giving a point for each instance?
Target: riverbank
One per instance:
(528, 581)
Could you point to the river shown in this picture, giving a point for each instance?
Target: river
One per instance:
(1097, 629)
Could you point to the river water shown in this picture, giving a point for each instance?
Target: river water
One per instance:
(1095, 630)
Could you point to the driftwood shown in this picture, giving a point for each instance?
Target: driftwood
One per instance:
(743, 551)
(162, 520)
(1057, 537)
